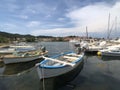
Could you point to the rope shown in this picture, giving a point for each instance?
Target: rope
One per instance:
(43, 80)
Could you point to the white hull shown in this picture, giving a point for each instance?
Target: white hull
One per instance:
(7, 51)
(19, 59)
(94, 48)
(22, 46)
(111, 53)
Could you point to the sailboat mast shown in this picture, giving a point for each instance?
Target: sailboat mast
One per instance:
(108, 27)
(86, 33)
(116, 25)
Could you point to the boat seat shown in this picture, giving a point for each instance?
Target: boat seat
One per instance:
(16, 54)
(70, 57)
(73, 55)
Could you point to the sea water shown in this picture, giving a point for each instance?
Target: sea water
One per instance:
(98, 73)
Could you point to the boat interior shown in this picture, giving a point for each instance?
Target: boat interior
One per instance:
(69, 58)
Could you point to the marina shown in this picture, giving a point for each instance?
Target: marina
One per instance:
(24, 54)
(59, 45)
(98, 73)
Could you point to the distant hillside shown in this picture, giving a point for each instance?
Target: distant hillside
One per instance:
(10, 35)
(7, 37)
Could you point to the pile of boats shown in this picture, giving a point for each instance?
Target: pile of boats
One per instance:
(59, 69)
(20, 53)
(103, 47)
(113, 50)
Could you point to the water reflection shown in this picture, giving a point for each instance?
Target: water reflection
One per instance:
(1, 64)
(97, 74)
(109, 58)
(27, 80)
(12, 69)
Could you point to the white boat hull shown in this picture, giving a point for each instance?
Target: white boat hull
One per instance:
(111, 53)
(19, 59)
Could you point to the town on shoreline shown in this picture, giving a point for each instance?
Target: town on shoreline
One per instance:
(11, 38)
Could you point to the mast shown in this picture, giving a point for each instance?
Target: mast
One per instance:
(108, 27)
(116, 26)
(86, 33)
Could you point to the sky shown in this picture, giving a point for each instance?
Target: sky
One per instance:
(60, 17)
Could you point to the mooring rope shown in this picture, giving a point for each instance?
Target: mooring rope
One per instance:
(43, 79)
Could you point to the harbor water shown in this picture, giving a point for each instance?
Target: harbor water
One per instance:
(98, 73)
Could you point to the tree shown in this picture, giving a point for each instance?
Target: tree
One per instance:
(3, 40)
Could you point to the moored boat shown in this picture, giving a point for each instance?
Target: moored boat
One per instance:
(7, 50)
(94, 47)
(60, 68)
(22, 57)
(110, 51)
(22, 45)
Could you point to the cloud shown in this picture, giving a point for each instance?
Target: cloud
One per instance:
(61, 19)
(58, 32)
(38, 8)
(9, 27)
(20, 16)
(43, 18)
(95, 17)
(33, 24)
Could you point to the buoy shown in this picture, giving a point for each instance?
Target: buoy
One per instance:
(99, 53)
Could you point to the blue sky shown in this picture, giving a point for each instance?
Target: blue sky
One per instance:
(60, 17)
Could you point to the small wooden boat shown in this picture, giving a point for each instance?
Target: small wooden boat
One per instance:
(7, 50)
(18, 68)
(22, 45)
(22, 57)
(4, 51)
(60, 68)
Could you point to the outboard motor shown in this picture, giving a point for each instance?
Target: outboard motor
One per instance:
(77, 48)
(85, 45)
(43, 48)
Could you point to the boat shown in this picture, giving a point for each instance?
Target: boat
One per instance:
(93, 47)
(18, 57)
(110, 51)
(21, 45)
(7, 50)
(60, 68)
(74, 41)
(11, 49)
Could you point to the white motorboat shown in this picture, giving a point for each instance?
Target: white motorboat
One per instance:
(110, 51)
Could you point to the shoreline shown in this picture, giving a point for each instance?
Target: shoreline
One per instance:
(2, 45)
